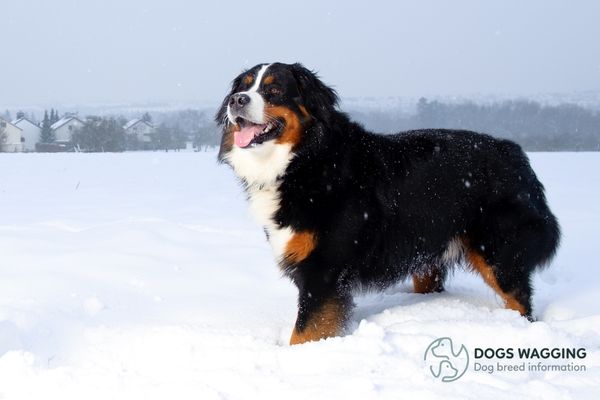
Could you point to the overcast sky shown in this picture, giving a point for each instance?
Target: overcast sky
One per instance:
(135, 51)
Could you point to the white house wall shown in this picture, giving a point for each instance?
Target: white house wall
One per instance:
(30, 134)
(64, 133)
(10, 141)
(142, 131)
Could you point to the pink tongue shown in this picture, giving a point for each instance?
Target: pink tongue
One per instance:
(244, 136)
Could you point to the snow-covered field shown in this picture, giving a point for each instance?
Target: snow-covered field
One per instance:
(142, 275)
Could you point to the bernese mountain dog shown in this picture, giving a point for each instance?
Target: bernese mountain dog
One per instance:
(344, 208)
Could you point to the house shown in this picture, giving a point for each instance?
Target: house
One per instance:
(10, 137)
(30, 133)
(142, 129)
(63, 128)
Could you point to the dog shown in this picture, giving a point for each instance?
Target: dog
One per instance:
(345, 209)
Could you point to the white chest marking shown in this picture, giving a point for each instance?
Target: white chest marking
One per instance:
(264, 203)
(260, 167)
(262, 164)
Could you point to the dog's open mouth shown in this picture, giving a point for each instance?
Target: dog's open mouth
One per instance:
(251, 133)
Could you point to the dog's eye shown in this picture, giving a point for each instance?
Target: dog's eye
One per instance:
(275, 91)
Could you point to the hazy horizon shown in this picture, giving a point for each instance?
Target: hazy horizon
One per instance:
(65, 52)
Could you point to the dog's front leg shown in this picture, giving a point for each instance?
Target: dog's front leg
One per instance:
(321, 314)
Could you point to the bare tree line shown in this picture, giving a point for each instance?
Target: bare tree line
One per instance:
(564, 127)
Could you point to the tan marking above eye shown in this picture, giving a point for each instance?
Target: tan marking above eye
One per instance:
(248, 79)
(268, 80)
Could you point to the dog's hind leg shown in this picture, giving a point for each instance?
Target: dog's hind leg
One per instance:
(514, 290)
(430, 280)
(511, 241)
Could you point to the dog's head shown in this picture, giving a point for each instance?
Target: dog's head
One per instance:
(271, 104)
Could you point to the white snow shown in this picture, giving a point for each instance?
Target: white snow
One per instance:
(142, 275)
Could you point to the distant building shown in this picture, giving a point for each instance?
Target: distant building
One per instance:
(63, 128)
(30, 133)
(10, 137)
(140, 128)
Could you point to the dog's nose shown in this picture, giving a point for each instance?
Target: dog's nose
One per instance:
(239, 100)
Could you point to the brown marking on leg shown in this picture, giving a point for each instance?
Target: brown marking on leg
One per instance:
(486, 271)
(300, 246)
(428, 282)
(327, 322)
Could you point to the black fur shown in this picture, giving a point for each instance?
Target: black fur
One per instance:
(386, 207)
(319, 99)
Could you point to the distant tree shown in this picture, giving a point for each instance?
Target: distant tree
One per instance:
(207, 136)
(20, 114)
(178, 138)
(132, 142)
(2, 132)
(191, 120)
(534, 126)
(194, 125)
(7, 115)
(46, 133)
(430, 113)
(147, 118)
(54, 117)
(162, 138)
(100, 135)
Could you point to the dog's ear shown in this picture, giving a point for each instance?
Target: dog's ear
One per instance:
(319, 99)
(222, 112)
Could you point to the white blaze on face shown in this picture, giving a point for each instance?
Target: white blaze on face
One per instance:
(255, 109)
(259, 76)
